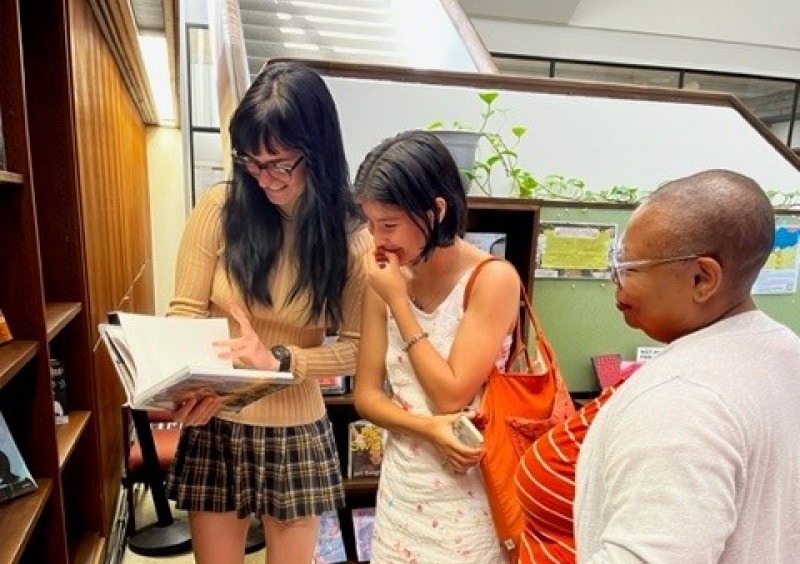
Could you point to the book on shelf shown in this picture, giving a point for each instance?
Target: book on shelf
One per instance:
(5, 331)
(363, 521)
(15, 478)
(58, 379)
(330, 543)
(2, 143)
(163, 361)
(365, 452)
(334, 385)
(492, 243)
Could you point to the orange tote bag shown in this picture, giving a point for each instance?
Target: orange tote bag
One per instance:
(518, 406)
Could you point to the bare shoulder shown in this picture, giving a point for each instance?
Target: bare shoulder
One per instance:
(496, 276)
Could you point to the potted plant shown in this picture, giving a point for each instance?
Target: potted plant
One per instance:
(463, 140)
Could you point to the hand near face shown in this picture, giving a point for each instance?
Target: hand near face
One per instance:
(247, 348)
(385, 277)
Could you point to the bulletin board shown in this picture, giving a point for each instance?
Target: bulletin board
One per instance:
(581, 320)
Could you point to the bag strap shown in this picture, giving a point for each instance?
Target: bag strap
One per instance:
(474, 276)
(539, 365)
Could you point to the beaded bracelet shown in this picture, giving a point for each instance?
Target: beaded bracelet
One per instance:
(414, 340)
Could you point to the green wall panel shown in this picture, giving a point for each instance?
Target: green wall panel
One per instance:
(580, 319)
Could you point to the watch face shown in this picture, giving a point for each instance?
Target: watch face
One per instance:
(284, 355)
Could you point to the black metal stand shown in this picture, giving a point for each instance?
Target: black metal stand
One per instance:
(167, 536)
(255, 537)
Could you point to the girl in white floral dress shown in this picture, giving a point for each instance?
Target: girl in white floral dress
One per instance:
(431, 505)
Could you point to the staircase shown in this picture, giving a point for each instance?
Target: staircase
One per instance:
(413, 33)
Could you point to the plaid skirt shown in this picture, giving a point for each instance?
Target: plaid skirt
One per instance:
(284, 472)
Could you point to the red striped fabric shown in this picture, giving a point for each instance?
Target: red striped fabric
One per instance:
(545, 480)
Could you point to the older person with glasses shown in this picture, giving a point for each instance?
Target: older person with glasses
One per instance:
(695, 458)
(620, 267)
(278, 251)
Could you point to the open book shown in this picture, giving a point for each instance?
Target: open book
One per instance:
(163, 361)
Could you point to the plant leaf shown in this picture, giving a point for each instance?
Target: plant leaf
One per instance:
(488, 97)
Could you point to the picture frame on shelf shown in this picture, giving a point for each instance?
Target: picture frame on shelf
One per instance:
(365, 452)
(15, 478)
(363, 523)
(330, 543)
(58, 378)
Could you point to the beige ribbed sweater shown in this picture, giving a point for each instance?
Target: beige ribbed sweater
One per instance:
(202, 289)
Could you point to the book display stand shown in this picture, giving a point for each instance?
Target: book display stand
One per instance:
(167, 535)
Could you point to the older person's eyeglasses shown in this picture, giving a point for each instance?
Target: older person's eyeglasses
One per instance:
(620, 268)
(281, 171)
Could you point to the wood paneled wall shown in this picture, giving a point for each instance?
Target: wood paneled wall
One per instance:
(112, 169)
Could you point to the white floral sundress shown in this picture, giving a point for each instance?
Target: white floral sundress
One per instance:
(427, 514)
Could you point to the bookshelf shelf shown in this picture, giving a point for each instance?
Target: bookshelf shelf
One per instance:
(67, 434)
(90, 549)
(340, 399)
(57, 315)
(18, 518)
(359, 486)
(10, 177)
(13, 356)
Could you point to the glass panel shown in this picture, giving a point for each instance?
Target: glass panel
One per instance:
(618, 74)
(769, 99)
(207, 162)
(522, 66)
(202, 89)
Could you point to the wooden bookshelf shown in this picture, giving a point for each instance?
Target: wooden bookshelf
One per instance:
(18, 517)
(339, 399)
(90, 549)
(7, 177)
(61, 197)
(13, 356)
(360, 486)
(57, 315)
(67, 434)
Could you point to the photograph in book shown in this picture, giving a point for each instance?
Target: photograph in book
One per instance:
(15, 479)
(164, 361)
(366, 449)
(330, 544)
(363, 521)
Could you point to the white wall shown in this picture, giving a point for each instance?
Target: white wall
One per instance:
(167, 208)
(602, 141)
(638, 48)
(738, 36)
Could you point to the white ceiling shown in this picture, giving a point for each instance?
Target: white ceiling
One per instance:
(773, 23)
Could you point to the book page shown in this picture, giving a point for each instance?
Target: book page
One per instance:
(117, 347)
(163, 346)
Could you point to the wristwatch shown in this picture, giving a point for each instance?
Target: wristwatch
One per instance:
(284, 356)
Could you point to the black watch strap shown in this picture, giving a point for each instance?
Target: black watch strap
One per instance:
(284, 356)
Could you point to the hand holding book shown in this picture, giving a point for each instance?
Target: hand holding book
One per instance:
(171, 363)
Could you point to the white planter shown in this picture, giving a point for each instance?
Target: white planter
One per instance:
(463, 145)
